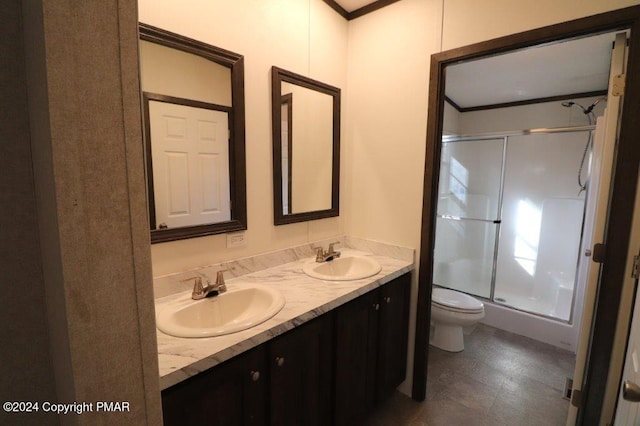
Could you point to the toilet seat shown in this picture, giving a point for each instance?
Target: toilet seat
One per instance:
(455, 301)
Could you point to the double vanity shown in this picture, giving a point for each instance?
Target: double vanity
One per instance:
(285, 347)
(303, 336)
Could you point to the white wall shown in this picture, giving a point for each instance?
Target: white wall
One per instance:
(467, 21)
(172, 72)
(306, 37)
(386, 128)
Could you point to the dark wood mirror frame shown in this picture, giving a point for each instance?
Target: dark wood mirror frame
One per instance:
(237, 155)
(278, 75)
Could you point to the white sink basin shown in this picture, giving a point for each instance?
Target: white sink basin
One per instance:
(343, 268)
(230, 312)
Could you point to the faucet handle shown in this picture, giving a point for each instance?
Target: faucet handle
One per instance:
(198, 289)
(331, 246)
(220, 276)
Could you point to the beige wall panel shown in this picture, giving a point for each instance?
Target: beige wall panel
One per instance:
(86, 137)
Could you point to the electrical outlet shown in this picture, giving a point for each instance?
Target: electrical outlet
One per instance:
(237, 239)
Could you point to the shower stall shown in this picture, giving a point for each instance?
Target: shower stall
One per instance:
(510, 218)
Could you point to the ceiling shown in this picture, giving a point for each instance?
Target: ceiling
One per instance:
(351, 5)
(566, 68)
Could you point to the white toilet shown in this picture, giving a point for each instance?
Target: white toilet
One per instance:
(450, 311)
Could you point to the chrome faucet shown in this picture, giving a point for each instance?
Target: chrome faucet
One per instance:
(327, 256)
(209, 290)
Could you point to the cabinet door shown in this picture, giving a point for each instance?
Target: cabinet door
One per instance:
(393, 334)
(233, 393)
(356, 346)
(301, 372)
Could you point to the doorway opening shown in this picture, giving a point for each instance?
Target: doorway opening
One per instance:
(625, 171)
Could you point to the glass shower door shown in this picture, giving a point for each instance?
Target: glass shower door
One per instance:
(468, 214)
(542, 223)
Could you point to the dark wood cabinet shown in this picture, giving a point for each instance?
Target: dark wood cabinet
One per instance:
(232, 393)
(286, 381)
(332, 370)
(393, 332)
(301, 375)
(370, 349)
(355, 341)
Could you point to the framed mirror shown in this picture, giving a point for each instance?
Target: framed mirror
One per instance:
(194, 124)
(306, 147)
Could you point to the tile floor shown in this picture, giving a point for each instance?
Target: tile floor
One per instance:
(500, 379)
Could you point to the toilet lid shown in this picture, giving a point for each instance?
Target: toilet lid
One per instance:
(454, 300)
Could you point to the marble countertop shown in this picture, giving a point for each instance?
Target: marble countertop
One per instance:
(306, 298)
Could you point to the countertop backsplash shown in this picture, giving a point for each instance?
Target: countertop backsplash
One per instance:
(171, 284)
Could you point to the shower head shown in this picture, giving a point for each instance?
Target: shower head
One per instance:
(587, 110)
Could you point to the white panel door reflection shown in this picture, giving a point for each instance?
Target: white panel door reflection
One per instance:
(190, 154)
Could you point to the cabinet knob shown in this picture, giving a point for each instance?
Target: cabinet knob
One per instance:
(255, 375)
(376, 306)
(387, 299)
(280, 361)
